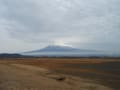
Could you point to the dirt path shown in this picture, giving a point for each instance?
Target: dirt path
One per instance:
(23, 77)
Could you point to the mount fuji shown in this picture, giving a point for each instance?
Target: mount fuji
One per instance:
(57, 50)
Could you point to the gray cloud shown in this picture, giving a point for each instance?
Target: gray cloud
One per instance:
(33, 24)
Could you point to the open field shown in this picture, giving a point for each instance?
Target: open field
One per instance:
(59, 74)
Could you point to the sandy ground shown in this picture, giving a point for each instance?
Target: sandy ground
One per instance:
(27, 77)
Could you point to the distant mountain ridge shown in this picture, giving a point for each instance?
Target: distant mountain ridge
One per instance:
(57, 48)
(61, 51)
(6, 55)
(67, 51)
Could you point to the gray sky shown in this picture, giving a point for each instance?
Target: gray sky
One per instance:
(33, 24)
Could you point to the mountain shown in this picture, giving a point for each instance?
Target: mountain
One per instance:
(56, 48)
(6, 55)
(66, 51)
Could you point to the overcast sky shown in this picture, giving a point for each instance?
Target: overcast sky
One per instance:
(33, 24)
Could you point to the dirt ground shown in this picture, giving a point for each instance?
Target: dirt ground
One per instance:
(46, 74)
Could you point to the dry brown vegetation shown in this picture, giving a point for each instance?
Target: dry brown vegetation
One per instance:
(104, 71)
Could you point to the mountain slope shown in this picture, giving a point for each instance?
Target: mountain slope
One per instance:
(62, 51)
(6, 55)
(67, 51)
(56, 48)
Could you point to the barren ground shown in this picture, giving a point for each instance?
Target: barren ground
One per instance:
(59, 74)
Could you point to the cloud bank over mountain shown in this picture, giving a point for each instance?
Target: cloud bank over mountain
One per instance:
(32, 24)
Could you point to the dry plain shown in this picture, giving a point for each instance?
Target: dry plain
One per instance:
(59, 74)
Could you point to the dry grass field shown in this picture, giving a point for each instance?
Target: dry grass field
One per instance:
(59, 74)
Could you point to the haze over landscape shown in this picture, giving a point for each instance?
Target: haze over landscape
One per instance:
(34, 24)
(67, 51)
(59, 45)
